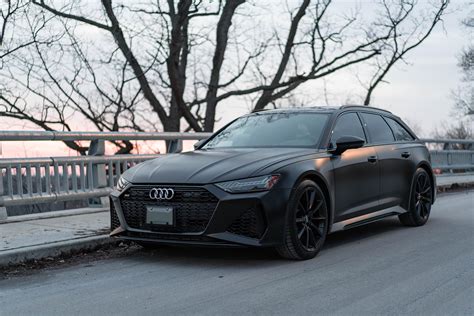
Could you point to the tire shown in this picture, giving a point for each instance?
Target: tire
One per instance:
(421, 199)
(306, 223)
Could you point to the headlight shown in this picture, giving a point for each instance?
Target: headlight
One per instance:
(122, 184)
(256, 184)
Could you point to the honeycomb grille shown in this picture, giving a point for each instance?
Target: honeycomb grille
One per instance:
(114, 220)
(250, 224)
(193, 208)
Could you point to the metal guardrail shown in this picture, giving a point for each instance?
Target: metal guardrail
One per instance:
(40, 180)
(29, 181)
(451, 154)
(452, 159)
(72, 136)
(449, 142)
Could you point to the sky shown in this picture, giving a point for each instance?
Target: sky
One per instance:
(419, 91)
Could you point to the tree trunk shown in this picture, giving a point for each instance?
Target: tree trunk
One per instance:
(177, 58)
(222, 37)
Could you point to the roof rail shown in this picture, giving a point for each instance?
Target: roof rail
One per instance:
(259, 110)
(363, 107)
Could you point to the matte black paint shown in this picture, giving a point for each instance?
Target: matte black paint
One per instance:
(357, 182)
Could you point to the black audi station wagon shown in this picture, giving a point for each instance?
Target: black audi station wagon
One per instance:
(279, 178)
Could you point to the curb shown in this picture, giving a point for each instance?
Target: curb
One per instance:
(46, 215)
(53, 249)
(446, 181)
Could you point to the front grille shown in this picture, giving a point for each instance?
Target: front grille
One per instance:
(193, 208)
(251, 224)
(114, 220)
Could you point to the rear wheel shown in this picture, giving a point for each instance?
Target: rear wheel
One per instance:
(420, 200)
(306, 223)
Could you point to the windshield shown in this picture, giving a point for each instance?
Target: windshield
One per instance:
(272, 130)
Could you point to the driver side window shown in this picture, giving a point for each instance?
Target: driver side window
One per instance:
(347, 125)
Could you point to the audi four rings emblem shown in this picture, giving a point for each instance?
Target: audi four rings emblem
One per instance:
(161, 194)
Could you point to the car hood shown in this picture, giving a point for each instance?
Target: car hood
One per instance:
(209, 166)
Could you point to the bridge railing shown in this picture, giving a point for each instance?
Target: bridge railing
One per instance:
(39, 180)
(452, 155)
(28, 181)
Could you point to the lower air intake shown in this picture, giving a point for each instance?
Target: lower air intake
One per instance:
(114, 220)
(250, 224)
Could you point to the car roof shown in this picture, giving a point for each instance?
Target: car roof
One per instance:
(322, 109)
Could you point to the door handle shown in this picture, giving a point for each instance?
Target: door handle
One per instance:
(405, 154)
(372, 159)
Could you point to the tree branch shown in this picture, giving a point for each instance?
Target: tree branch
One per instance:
(71, 16)
(401, 49)
(137, 69)
(266, 95)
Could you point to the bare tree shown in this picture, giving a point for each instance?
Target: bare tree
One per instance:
(8, 13)
(168, 65)
(464, 96)
(459, 130)
(462, 126)
(402, 40)
(58, 94)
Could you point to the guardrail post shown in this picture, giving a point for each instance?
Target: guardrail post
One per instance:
(3, 209)
(175, 146)
(99, 175)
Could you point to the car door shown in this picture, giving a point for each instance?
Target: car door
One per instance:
(356, 172)
(394, 159)
(405, 152)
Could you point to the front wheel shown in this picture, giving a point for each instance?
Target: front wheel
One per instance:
(420, 200)
(306, 223)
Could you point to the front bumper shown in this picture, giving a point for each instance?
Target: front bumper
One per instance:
(244, 219)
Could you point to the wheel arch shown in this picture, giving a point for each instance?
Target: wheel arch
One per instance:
(323, 184)
(427, 167)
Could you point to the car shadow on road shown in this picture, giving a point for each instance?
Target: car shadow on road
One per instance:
(252, 256)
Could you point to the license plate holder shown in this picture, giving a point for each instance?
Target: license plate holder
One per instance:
(160, 215)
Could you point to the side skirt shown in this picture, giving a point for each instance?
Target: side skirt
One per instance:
(367, 218)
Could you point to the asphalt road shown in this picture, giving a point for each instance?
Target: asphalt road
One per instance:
(382, 268)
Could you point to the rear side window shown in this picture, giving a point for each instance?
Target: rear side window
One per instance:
(347, 125)
(401, 134)
(379, 130)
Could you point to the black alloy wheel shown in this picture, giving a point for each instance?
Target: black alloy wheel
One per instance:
(306, 223)
(421, 200)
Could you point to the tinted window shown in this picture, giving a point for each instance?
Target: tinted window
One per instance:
(401, 134)
(379, 130)
(272, 130)
(347, 125)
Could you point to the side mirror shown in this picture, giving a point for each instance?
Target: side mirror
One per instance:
(347, 142)
(199, 143)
